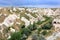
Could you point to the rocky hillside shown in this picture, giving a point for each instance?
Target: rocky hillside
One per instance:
(13, 18)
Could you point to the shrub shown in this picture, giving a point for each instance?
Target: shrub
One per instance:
(38, 37)
(32, 27)
(41, 37)
(39, 30)
(26, 31)
(47, 26)
(44, 32)
(39, 22)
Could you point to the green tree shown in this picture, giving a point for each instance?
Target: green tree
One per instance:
(47, 26)
(16, 36)
(21, 35)
(32, 27)
(44, 32)
(39, 30)
(26, 31)
(39, 22)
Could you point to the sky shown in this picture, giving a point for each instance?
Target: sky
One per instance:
(37, 3)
